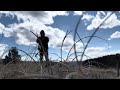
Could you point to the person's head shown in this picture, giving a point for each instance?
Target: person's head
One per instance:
(42, 33)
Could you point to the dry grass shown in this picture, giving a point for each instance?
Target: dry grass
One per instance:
(57, 71)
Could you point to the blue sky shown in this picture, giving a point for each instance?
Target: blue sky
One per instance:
(15, 27)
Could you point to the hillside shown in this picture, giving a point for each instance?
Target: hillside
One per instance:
(109, 61)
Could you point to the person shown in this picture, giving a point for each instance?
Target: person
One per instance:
(43, 46)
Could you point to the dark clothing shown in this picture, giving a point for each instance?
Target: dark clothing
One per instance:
(44, 41)
(43, 53)
(43, 49)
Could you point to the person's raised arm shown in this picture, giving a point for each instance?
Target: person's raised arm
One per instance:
(37, 40)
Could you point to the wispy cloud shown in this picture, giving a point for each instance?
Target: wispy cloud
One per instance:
(115, 35)
(101, 16)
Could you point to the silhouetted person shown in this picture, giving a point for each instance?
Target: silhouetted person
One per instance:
(43, 46)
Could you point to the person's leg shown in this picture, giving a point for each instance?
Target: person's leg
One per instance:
(46, 55)
(47, 59)
(41, 56)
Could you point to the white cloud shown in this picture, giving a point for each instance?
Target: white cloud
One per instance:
(42, 16)
(111, 22)
(25, 37)
(7, 13)
(78, 12)
(1, 28)
(56, 13)
(36, 21)
(87, 17)
(46, 17)
(115, 35)
(95, 49)
(94, 52)
(22, 32)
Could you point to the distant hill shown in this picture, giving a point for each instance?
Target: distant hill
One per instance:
(109, 61)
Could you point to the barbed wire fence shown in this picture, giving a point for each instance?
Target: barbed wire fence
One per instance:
(30, 67)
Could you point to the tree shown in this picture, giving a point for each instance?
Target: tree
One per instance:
(12, 57)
